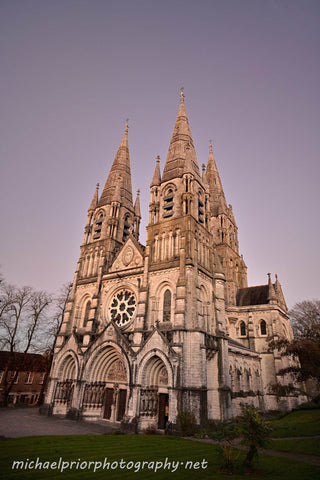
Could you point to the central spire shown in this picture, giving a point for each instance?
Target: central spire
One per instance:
(181, 140)
(120, 174)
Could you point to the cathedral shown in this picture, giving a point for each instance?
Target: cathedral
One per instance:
(153, 330)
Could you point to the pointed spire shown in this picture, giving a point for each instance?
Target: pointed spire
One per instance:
(117, 191)
(156, 179)
(279, 293)
(137, 210)
(271, 292)
(95, 199)
(217, 198)
(204, 178)
(188, 164)
(120, 167)
(181, 137)
(230, 213)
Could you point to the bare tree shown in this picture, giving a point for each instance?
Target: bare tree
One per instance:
(15, 303)
(59, 308)
(51, 332)
(22, 313)
(305, 319)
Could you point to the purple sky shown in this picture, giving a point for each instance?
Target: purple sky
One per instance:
(73, 71)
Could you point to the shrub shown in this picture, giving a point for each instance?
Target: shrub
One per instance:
(254, 431)
(151, 429)
(314, 404)
(211, 426)
(186, 423)
(227, 433)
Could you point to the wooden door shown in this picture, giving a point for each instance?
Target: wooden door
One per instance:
(108, 403)
(163, 410)
(122, 397)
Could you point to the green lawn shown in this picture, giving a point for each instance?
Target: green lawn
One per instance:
(308, 446)
(299, 423)
(135, 449)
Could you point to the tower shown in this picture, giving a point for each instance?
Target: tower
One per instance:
(185, 271)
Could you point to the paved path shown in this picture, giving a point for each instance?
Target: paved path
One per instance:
(27, 422)
(311, 459)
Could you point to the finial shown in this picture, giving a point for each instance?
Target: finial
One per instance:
(127, 125)
(138, 192)
(210, 142)
(269, 275)
(182, 93)
(97, 186)
(203, 167)
(158, 158)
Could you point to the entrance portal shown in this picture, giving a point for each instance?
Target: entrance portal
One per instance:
(107, 390)
(115, 401)
(108, 403)
(163, 410)
(122, 397)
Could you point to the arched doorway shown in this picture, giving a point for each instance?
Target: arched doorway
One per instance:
(154, 395)
(64, 388)
(106, 393)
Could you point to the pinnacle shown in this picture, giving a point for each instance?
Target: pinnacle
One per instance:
(137, 210)
(95, 199)
(156, 179)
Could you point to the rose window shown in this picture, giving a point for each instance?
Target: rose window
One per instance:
(122, 307)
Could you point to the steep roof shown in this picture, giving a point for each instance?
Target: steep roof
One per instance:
(181, 140)
(24, 361)
(252, 296)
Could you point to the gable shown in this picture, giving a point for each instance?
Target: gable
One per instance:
(128, 257)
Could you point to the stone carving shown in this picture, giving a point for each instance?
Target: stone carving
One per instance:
(117, 372)
(127, 256)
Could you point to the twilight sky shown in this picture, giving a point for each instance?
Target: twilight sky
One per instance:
(73, 71)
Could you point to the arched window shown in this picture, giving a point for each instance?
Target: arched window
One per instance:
(86, 313)
(242, 329)
(168, 204)
(200, 209)
(166, 317)
(126, 228)
(263, 327)
(97, 227)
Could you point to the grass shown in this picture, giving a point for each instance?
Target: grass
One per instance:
(136, 449)
(307, 446)
(298, 423)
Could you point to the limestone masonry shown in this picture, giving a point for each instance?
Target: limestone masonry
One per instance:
(154, 330)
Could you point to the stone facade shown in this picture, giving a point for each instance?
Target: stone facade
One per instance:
(153, 330)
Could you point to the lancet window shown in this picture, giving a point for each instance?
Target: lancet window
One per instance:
(263, 327)
(167, 306)
(86, 313)
(168, 204)
(98, 227)
(126, 228)
(242, 329)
